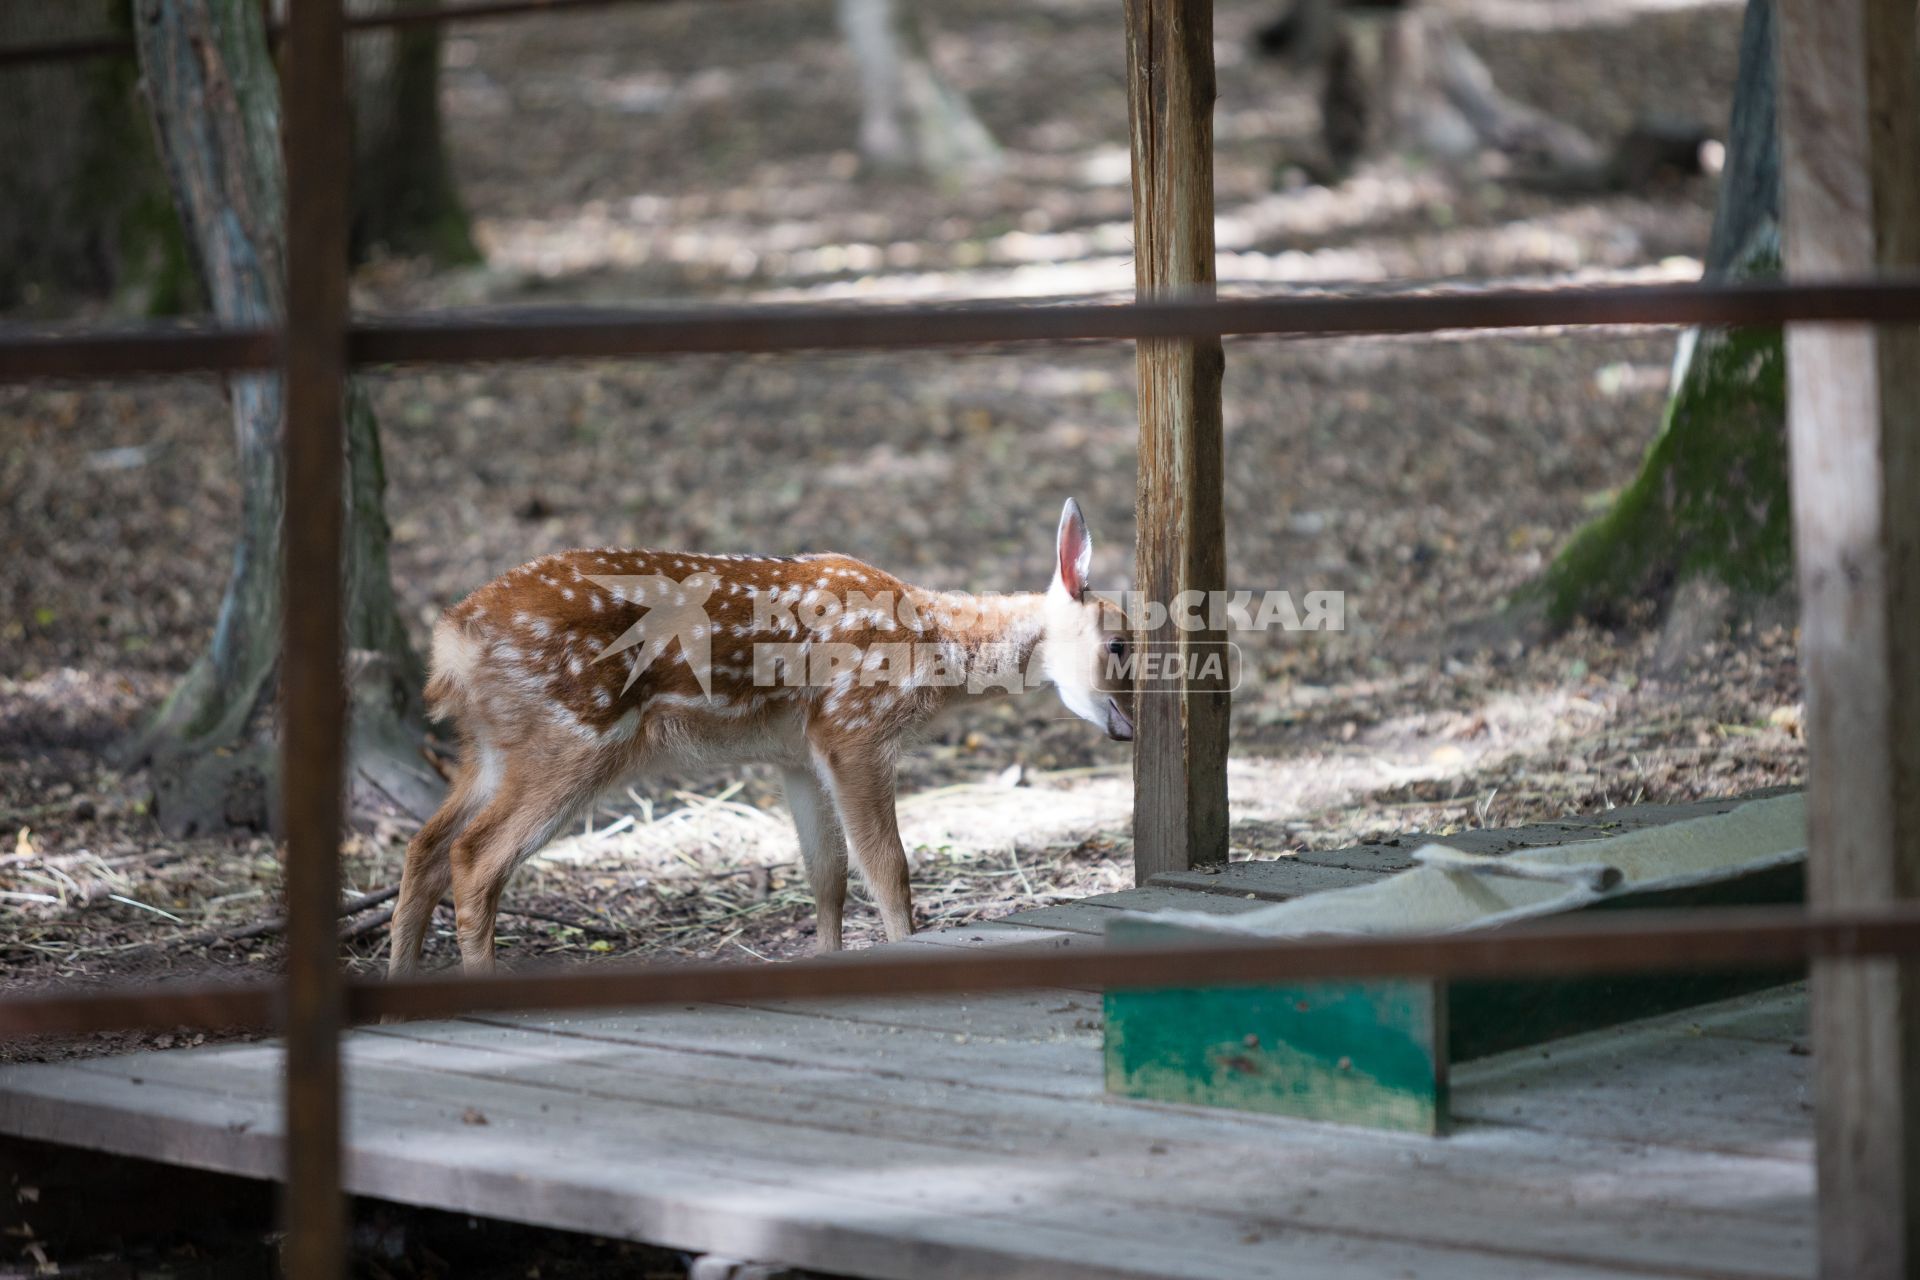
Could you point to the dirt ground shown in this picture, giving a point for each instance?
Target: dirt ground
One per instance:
(687, 152)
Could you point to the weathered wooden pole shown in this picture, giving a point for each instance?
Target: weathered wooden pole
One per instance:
(313, 689)
(1180, 751)
(1850, 121)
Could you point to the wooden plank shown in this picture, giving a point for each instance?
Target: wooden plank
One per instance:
(1380, 859)
(426, 1155)
(1044, 1014)
(1273, 1195)
(1053, 1144)
(1387, 857)
(1092, 915)
(1274, 881)
(1495, 1165)
(1068, 917)
(1161, 898)
(1143, 1125)
(1702, 1091)
(901, 1069)
(1180, 752)
(871, 1207)
(1044, 1067)
(1851, 204)
(313, 693)
(994, 935)
(654, 1073)
(1396, 854)
(1778, 1017)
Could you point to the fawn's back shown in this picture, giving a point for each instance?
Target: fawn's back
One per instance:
(525, 658)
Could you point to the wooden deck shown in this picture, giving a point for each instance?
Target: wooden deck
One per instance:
(919, 1138)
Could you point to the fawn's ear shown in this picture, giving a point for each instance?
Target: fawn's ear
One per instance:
(1073, 553)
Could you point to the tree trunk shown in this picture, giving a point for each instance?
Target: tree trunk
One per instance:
(897, 79)
(216, 109)
(1710, 503)
(1397, 77)
(404, 197)
(83, 207)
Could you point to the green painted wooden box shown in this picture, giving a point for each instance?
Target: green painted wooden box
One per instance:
(1377, 1052)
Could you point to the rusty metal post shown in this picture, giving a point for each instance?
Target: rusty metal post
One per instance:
(314, 354)
(1180, 752)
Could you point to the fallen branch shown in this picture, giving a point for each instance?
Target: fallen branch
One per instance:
(361, 928)
(261, 928)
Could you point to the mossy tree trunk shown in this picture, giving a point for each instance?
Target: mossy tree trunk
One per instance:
(405, 200)
(215, 103)
(1710, 501)
(84, 211)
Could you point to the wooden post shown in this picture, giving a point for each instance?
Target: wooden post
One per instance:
(1851, 191)
(1180, 751)
(313, 693)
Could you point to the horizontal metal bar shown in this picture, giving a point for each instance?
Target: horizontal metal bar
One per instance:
(141, 352)
(1615, 943)
(181, 1004)
(479, 11)
(607, 333)
(54, 51)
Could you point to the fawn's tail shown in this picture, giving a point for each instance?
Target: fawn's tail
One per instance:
(455, 653)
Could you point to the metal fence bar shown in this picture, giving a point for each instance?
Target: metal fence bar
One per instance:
(1613, 942)
(313, 693)
(577, 332)
(56, 51)
(148, 350)
(612, 332)
(479, 11)
(76, 50)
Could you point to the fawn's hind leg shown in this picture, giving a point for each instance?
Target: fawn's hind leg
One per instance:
(427, 872)
(823, 847)
(522, 816)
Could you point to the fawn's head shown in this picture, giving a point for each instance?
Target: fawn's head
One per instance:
(1086, 643)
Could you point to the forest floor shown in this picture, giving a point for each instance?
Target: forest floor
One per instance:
(682, 152)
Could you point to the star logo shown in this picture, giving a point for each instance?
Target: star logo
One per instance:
(674, 611)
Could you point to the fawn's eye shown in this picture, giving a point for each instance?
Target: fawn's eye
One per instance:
(1116, 645)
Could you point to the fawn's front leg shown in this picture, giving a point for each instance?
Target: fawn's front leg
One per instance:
(860, 779)
(823, 847)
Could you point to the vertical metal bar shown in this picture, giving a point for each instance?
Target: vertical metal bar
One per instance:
(314, 123)
(1180, 748)
(1850, 129)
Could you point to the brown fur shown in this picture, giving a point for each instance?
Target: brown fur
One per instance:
(545, 726)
